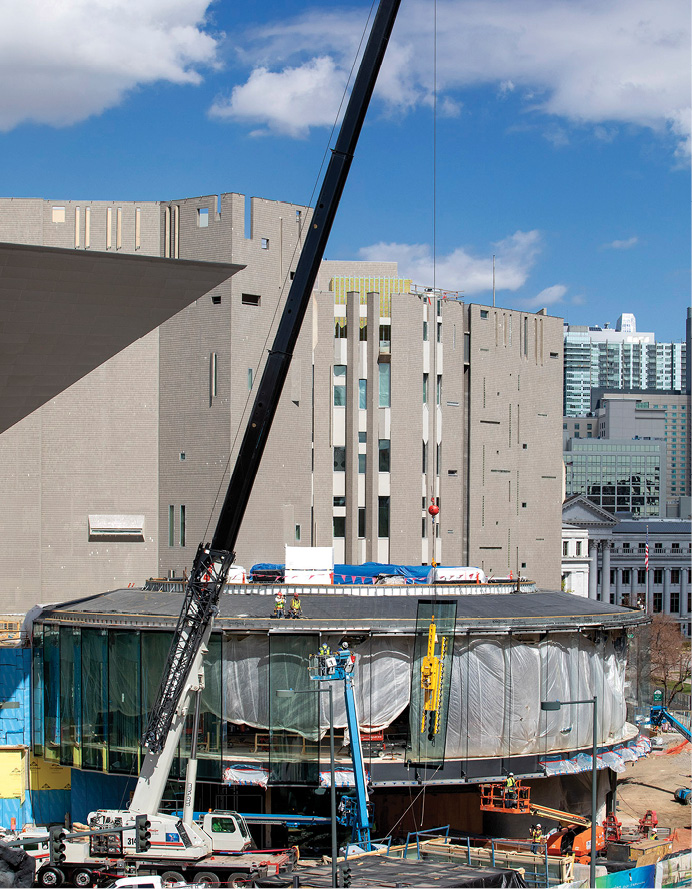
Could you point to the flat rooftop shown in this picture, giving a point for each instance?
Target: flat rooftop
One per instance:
(383, 610)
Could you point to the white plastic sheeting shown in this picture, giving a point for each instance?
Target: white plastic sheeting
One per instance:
(497, 685)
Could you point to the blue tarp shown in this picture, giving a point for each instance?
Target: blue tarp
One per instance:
(348, 574)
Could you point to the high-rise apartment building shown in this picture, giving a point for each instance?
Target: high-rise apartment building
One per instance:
(394, 397)
(619, 358)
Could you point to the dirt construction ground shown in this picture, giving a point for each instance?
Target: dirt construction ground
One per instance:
(650, 783)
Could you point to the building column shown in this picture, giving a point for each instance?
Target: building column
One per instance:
(633, 587)
(683, 593)
(618, 586)
(666, 591)
(593, 569)
(605, 571)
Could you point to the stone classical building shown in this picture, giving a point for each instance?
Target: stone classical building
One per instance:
(618, 566)
(394, 397)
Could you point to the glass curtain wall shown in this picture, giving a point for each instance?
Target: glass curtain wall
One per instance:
(94, 751)
(70, 696)
(51, 694)
(294, 718)
(124, 703)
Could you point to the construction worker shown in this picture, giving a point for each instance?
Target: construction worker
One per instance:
(323, 653)
(279, 604)
(653, 833)
(536, 837)
(511, 791)
(295, 610)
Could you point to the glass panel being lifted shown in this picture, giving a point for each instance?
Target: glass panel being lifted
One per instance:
(430, 681)
(294, 727)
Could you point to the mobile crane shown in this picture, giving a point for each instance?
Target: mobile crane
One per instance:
(164, 839)
(354, 810)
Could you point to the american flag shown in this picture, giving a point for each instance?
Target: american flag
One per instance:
(646, 550)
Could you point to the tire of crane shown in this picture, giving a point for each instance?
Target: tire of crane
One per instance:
(237, 880)
(82, 877)
(207, 878)
(51, 876)
(172, 876)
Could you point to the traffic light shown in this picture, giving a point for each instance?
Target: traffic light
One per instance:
(346, 873)
(56, 845)
(142, 833)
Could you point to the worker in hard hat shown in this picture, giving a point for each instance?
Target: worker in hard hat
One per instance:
(279, 604)
(295, 609)
(536, 837)
(511, 791)
(323, 653)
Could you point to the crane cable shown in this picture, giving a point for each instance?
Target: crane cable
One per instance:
(434, 308)
(287, 278)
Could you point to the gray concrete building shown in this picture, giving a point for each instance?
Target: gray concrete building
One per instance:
(461, 403)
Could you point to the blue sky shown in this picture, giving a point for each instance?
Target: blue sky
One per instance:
(563, 132)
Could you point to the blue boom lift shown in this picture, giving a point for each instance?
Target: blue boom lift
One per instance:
(354, 809)
(659, 714)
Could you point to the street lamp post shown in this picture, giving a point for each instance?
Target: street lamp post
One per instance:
(288, 693)
(556, 705)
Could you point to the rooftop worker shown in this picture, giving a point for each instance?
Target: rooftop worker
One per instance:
(295, 609)
(279, 604)
(511, 791)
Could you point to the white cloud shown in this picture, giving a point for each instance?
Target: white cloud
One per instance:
(515, 256)
(290, 101)
(547, 297)
(63, 61)
(622, 245)
(606, 63)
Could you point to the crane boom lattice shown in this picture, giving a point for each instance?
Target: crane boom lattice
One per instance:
(202, 593)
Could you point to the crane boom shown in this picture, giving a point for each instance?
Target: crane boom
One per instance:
(212, 562)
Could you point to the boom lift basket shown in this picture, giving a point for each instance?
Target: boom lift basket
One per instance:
(496, 798)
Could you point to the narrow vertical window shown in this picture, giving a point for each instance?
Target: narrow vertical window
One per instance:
(138, 228)
(385, 384)
(383, 516)
(361, 521)
(203, 217)
(109, 228)
(182, 525)
(119, 228)
(298, 533)
(249, 378)
(167, 233)
(438, 459)
(76, 226)
(171, 525)
(425, 462)
(425, 388)
(439, 389)
(213, 375)
(439, 331)
(362, 394)
(384, 451)
(425, 331)
(176, 232)
(87, 227)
